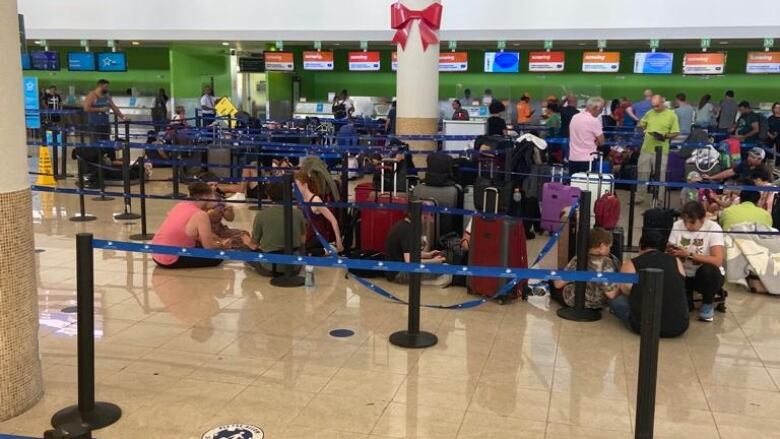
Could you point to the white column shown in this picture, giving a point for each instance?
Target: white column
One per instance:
(21, 383)
(417, 85)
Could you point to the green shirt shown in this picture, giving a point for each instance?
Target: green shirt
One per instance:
(664, 122)
(268, 228)
(746, 212)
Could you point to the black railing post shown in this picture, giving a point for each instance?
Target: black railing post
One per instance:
(82, 216)
(127, 214)
(289, 279)
(580, 313)
(651, 282)
(93, 414)
(413, 337)
(258, 169)
(144, 235)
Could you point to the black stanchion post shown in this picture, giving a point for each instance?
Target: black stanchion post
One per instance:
(631, 206)
(413, 337)
(344, 189)
(657, 177)
(127, 214)
(175, 175)
(289, 279)
(55, 153)
(651, 282)
(82, 216)
(93, 414)
(580, 313)
(144, 235)
(63, 141)
(258, 168)
(99, 165)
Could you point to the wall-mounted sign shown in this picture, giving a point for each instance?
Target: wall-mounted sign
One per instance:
(364, 61)
(650, 63)
(453, 61)
(502, 62)
(707, 63)
(763, 62)
(315, 60)
(601, 62)
(546, 61)
(279, 61)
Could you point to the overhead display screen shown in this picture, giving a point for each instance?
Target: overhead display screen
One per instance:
(317, 60)
(364, 61)
(546, 61)
(653, 63)
(112, 62)
(707, 63)
(502, 62)
(601, 62)
(45, 61)
(81, 62)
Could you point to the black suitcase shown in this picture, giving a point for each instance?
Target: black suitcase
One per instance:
(659, 219)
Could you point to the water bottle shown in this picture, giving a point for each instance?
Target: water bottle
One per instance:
(309, 279)
(517, 197)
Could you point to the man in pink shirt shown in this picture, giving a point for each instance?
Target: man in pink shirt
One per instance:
(586, 134)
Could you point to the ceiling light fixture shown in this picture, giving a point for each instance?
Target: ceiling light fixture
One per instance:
(225, 43)
(136, 43)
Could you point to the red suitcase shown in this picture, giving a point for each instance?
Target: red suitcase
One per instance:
(375, 222)
(485, 250)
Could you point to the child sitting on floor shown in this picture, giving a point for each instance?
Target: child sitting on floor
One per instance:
(233, 239)
(600, 260)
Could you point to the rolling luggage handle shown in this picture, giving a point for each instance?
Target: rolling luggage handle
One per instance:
(485, 196)
(395, 177)
(600, 172)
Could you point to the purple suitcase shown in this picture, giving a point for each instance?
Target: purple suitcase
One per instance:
(675, 168)
(556, 196)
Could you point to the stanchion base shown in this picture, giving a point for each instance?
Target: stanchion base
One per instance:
(142, 237)
(406, 339)
(103, 198)
(82, 218)
(579, 315)
(288, 281)
(127, 216)
(103, 415)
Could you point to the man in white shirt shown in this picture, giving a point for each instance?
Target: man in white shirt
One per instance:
(207, 103)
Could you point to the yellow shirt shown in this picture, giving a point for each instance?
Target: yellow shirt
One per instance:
(662, 122)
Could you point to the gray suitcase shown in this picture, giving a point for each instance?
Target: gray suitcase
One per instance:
(444, 196)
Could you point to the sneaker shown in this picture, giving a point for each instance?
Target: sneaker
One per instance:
(707, 313)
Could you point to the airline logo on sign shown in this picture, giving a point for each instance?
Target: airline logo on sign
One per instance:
(704, 63)
(313, 60)
(601, 62)
(364, 61)
(763, 62)
(546, 61)
(279, 61)
(453, 62)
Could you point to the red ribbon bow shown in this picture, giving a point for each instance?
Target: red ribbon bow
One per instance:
(401, 19)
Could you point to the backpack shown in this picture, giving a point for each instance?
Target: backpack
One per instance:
(607, 211)
(339, 110)
(439, 169)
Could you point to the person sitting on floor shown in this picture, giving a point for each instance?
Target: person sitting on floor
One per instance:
(626, 302)
(234, 239)
(747, 211)
(698, 242)
(762, 177)
(187, 225)
(268, 230)
(599, 259)
(398, 248)
(245, 189)
(320, 218)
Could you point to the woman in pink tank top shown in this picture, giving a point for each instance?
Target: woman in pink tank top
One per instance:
(186, 226)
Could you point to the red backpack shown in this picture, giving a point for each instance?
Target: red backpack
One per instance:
(607, 211)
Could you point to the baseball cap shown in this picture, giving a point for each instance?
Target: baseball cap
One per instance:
(757, 153)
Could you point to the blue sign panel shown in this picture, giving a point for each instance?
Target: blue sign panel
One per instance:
(112, 62)
(32, 115)
(81, 61)
(653, 63)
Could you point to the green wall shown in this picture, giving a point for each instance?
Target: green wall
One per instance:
(193, 67)
(316, 85)
(148, 70)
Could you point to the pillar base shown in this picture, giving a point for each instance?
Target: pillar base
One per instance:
(103, 415)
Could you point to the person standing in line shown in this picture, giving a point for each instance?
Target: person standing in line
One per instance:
(391, 118)
(773, 129)
(660, 125)
(637, 111)
(727, 112)
(553, 121)
(52, 102)
(467, 99)
(207, 104)
(496, 125)
(684, 112)
(705, 114)
(458, 113)
(160, 110)
(567, 113)
(586, 134)
(97, 105)
(748, 127)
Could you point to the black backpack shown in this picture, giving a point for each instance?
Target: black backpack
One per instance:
(439, 171)
(339, 110)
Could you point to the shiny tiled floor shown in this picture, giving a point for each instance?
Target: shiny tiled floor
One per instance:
(184, 352)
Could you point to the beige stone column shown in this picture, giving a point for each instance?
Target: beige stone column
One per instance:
(417, 86)
(21, 382)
